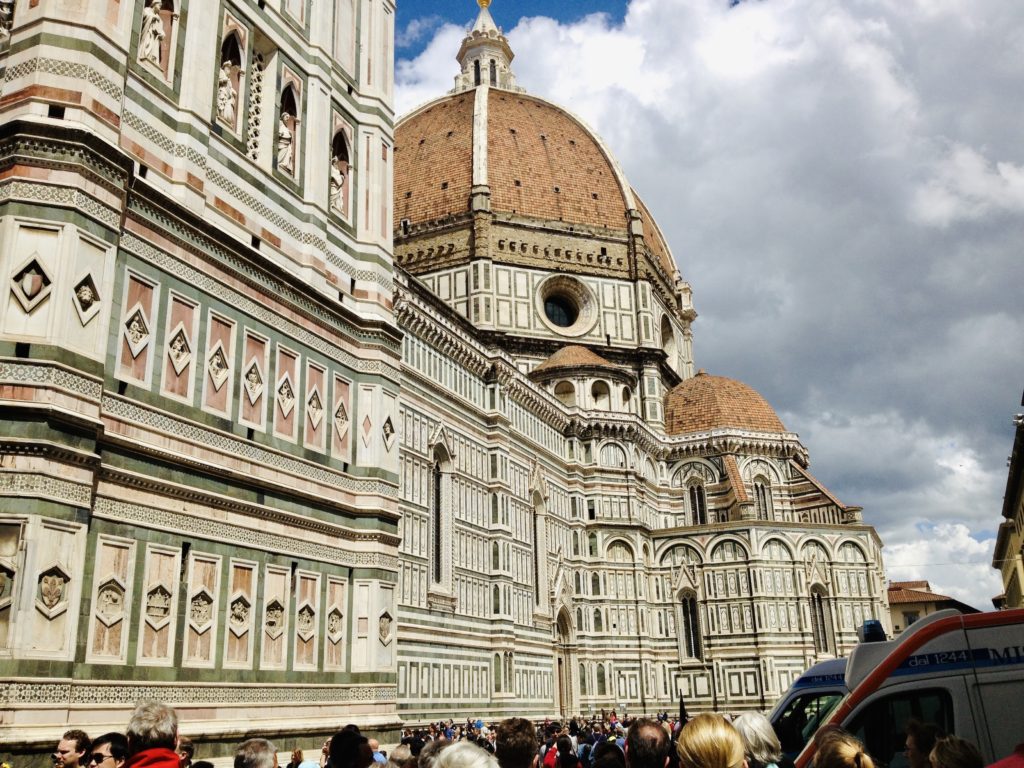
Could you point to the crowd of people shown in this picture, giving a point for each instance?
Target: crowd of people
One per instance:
(151, 740)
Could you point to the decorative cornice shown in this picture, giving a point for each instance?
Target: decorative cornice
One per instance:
(215, 530)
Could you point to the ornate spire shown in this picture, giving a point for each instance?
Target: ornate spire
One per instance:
(485, 55)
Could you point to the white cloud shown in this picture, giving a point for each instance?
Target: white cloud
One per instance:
(843, 186)
(416, 30)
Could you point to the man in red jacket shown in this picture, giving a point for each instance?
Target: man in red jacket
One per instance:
(152, 736)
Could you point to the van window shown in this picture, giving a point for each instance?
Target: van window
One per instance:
(881, 724)
(801, 717)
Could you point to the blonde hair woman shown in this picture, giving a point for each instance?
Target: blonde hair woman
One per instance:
(838, 749)
(709, 741)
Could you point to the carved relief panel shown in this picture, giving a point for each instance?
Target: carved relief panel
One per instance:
(55, 556)
(219, 362)
(334, 640)
(341, 410)
(315, 425)
(85, 301)
(386, 629)
(307, 619)
(135, 348)
(10, 543)
(276, 594)
(111, 599)
(252, 381)
(157, 622)
(286, 394)
(201, 617)
(238, 638)
(30, 262)
(180, 348)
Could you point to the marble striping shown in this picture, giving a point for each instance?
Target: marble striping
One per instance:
(27, 484)
(217, 530)
(65, 68)
(243, 303)
(185, 430)
(125, 693)
(64, 196)
(47, 373)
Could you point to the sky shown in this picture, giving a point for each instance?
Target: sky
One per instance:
(842, 184)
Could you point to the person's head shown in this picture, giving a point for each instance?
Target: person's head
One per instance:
(296, 756)
(952, 752)
(350, 749)
(608, 755)
(152, 725)
(255, 753)
(186, 749)
(759, 740)
(399, 756)
(709, 741)
(431, 752)
(374, 744)
(566, 756)
(71, 749)
(920, 740)
(515, 743)
(108, 751)
(647, 744)
(838, 749)
(463, 754)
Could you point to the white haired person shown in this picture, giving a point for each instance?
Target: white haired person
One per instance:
(152, 736)
(256, 753)
(465, 754)
(760, 742)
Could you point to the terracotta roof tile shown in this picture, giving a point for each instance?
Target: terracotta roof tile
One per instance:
(573, 356)
(898, 596)
(706, 402)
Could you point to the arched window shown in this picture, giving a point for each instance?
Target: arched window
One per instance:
(579, 619)
(437, 512)
(497, 673)
(698, 505)
(476, 72)
(690, 626)
(598, 621)
(583, 680)
(821, 625)
(494, 508)
(668, 342)
(340, 184)
(538, 509)
(566, 392)
(287, 146)
(229, 81)
(602, 687)
(575, 542)
(494, 72)
(595, 584)
(592, 544)
(495, 557)
(762, 499)
(627, 399)
(496, 600)
(600, 394)
(509, 672)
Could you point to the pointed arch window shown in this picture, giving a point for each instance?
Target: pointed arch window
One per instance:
(698, 504)
(495, 557)
(602, 687)
(690, 625)
(583, 680)
(497, 673)
(496, 601)
(598, 621)
(595, 584)
(476, 72)
(762, 499)
(821, 625)
(494, 72)
(437, 515)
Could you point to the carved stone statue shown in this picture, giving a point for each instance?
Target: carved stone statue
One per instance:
(227, 96)
(136, 329)
(86, 296)
(152, 36)
(337, 185)
(6, 18)
(285, 144)
(51, 589)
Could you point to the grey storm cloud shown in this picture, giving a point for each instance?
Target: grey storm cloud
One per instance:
(842, 183)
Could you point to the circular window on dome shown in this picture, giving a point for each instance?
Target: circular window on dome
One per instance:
(566, 305)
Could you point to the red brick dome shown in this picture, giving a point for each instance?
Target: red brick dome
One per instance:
(704, 403)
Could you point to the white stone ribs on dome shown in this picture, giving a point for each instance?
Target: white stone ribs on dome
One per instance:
(480, 136)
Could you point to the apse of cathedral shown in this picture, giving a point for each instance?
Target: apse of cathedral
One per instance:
(312, 418)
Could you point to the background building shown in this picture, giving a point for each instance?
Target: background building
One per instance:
(199, 367)
(913, 600)
(1008, 557)
(586, 523)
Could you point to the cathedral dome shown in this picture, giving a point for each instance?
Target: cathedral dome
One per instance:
(489, 147)
(704, 403)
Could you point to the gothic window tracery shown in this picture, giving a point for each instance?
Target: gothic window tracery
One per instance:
(698, 504)
(690, 626)
(763, 499)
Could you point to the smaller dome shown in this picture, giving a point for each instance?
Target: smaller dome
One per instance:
(573, 356)
(705, 402)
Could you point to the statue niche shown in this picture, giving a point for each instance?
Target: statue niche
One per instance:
(339, 173)
(229, 81)
(156, 35)
(287, 132)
